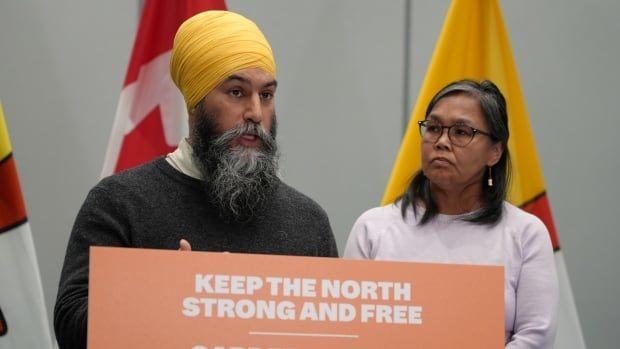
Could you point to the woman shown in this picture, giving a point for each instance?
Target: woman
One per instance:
(454, 211)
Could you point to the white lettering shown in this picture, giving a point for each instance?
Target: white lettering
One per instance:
(237, 284)
(415, 315)
(286, 310)
(190, 306)
(308, 287)
(274, 285)
(368, 312)
(254, 284)
(369, 290)
(244, 308)
(203, 283)
(383, 313)
(350, 289)
(227, 284)
(291, 287)
(330, 288)
(402, 291)
(308, 312)
(225, 308)
(375, 290)
(396, 314)
(208, 305)
(327, 312)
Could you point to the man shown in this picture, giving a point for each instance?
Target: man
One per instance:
(219, 191)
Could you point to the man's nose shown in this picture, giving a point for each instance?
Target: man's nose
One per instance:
(253, 111)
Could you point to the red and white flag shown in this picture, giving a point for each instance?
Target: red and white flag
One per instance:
(23, 318)
(151, 117)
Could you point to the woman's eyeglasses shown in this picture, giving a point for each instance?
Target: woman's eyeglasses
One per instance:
(460, 135)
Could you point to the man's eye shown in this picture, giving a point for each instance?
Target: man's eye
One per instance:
(266, 95)
(235, 93)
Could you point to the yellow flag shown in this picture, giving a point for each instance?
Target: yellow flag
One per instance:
(474, 44)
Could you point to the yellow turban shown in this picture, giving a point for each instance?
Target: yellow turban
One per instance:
(210, 46)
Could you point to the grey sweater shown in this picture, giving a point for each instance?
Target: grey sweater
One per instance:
(154, 206)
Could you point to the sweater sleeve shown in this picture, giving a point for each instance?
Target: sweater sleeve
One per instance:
(536, 292)
(359, 244)
(326, 242)
(328, 246)
(98, 223)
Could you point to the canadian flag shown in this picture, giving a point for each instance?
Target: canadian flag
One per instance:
(151, 117)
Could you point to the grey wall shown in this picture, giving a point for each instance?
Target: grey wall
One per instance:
(568, 52)
(340, 107)
(62, 64)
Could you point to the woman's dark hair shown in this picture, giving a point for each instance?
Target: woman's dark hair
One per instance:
(493, 105)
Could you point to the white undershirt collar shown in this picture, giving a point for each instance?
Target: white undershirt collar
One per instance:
(182, 159)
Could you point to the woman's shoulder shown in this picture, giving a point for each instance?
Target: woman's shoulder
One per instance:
(515, 214)
(372, 228)
(523, 222)
(383, 214)
(378, 221)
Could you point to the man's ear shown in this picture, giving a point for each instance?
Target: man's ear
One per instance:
(191, 121)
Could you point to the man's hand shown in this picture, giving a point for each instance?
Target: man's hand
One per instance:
(184, 245)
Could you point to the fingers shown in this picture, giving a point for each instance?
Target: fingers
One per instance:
(184, 245)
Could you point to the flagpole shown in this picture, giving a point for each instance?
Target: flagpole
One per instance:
(406, 66)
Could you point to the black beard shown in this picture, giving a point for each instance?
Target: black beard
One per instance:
(238, 180)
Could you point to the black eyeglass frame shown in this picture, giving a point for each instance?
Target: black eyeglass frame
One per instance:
(474, 130)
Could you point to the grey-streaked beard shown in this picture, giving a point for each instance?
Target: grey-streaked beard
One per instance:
(238, 179)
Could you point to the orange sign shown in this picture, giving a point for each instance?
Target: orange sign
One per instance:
(199, 300)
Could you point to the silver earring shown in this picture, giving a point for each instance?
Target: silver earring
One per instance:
(490, 180)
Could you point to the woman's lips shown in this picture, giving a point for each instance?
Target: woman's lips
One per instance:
(441, 161)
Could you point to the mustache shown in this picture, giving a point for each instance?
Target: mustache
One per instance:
(248, 127)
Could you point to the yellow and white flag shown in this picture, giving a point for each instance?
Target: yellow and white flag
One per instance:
(474, 44)
(23, 318)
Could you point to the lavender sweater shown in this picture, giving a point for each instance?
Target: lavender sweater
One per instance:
(519, 242)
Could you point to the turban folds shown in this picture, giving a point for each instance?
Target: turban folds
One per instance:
(210, 46)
